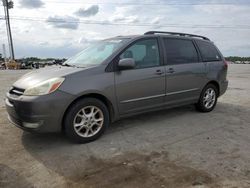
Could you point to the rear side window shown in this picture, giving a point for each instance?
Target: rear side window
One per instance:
(208, 51)
(180, 51)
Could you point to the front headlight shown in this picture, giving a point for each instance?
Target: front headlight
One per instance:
(45, 87)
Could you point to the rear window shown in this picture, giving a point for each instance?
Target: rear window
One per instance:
(208, 51)
(180, 51)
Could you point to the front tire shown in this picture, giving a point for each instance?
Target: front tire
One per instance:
(86, 120)
(208, 98)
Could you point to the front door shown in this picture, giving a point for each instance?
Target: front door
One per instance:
(143, 87)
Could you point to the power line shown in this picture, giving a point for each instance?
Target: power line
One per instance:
(154, 4)
(147, 4)
(124, 23)
(108, 23)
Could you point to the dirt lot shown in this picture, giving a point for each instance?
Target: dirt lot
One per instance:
(172, 148)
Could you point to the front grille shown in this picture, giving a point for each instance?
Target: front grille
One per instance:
(16, 91)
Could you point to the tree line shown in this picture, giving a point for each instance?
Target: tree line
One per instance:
(236, 58)
(33, 59)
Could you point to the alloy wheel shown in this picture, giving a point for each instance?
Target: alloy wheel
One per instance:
(209, 98)
(88, 121)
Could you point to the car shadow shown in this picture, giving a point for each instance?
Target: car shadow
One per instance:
(139, 133)
(155, 116)
(39, 140)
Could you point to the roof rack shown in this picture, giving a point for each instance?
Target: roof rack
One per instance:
(173, 33)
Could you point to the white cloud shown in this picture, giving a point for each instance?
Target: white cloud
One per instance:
(124, 19)
(87, 12)
(31, 4)
(65, 22)
(156, 20)
(53, 35)
(123, 15)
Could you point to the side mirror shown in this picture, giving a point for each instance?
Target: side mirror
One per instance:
(126, 63)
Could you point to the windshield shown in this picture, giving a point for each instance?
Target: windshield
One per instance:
(96, 53)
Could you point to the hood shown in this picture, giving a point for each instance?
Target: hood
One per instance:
(37, 76)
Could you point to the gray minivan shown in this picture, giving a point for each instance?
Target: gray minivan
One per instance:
(116, 78)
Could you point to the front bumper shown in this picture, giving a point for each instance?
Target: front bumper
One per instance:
(44, 112)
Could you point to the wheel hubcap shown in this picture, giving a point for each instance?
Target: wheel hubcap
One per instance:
(88, 121)
(209, 98)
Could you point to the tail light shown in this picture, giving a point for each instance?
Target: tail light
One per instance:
(225, 63)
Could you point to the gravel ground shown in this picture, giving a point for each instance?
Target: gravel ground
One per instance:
(173, 148)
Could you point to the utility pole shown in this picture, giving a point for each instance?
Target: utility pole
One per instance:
(4, 53)
(8, 4)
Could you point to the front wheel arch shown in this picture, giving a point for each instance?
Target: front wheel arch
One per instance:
(100, 97)
(70, 120)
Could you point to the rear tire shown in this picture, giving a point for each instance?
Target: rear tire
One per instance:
(86, 120)
(208, 98)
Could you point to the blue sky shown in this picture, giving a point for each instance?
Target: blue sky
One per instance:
(37, 32)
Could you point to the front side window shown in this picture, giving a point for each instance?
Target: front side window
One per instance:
(208, 51)
(144, 52)
(180, 51)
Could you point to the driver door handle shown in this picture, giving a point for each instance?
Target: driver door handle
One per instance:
(159, 72)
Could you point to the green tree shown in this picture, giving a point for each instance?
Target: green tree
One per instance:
(236, 58)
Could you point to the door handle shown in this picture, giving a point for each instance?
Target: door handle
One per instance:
(170, 70)
(159, 72)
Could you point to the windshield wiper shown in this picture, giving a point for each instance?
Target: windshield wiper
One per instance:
(72, 65)
(68, 65)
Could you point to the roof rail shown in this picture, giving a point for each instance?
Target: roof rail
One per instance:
(173, 33)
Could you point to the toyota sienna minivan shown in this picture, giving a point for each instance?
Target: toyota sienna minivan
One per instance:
(117, 78)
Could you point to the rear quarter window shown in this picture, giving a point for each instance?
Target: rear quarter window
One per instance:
(208, 51)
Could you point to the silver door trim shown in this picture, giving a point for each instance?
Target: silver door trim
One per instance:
(143, 98)
(182, 91)
(161, 95)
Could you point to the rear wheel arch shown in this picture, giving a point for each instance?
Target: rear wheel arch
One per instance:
(98, 96)
(216, 84)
